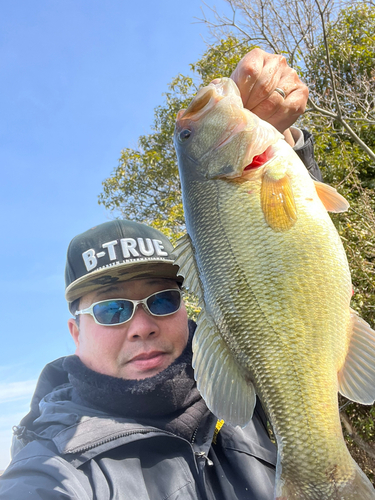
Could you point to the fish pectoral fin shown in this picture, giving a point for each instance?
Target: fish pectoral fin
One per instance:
(356, 378)
(188, 268)
(220, 380)
(331, 199)
(277, 202)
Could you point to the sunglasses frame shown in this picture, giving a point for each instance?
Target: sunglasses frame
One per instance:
(89, 310)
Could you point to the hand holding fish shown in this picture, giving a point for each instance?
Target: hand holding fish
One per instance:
(257, 76)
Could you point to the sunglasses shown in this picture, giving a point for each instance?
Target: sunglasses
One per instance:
(114, 312)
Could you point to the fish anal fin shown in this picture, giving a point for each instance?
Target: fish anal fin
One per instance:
(356, 378)
(331, 199)
(220, 379)
(277, 202)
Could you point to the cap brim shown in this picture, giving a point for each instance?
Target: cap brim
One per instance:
(121, 272)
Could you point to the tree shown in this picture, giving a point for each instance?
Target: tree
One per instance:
(145, 185)
(326, 45)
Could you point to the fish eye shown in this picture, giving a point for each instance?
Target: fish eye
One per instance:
(185, 134)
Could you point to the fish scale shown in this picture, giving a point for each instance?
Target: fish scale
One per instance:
(275, 289)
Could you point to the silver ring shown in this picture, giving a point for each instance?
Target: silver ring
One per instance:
(281, 92)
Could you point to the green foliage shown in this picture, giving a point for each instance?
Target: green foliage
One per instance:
(191, 303)
(221, 59)
(351, 42)
(344, 164)
(357, 231)
(359, 433)
(364, 420)
(145, 185)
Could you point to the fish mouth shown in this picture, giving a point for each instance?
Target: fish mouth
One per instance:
(203, 102)
(207, 98)
(225, 87)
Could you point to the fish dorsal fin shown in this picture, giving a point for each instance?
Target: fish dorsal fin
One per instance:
(357, 376)
(188, 268)
(220, 380)
(331, 199)
(277, 202)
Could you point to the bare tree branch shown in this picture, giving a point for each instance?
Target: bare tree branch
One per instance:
(348, 128)
(328, 58)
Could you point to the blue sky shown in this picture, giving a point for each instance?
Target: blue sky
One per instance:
(79, 82)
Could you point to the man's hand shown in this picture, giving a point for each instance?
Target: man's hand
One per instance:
(257, 76)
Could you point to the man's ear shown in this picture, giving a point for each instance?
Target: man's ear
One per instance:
(74, 330)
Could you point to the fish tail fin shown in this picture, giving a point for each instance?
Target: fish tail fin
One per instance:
(356, 487)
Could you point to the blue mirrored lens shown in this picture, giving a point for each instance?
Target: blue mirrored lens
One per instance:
(163, 303)
(112, 312)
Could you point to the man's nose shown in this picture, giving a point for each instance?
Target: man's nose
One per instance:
(142, 325)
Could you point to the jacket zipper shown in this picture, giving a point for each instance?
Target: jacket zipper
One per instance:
(200, 454)
(194, 435)
(113, 438)
(197, 454)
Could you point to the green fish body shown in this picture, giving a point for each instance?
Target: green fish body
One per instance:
(274, 284)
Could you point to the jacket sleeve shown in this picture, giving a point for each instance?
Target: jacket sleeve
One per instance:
(306, 154)
(43, 477)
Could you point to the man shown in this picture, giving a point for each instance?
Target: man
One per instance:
(122, 418)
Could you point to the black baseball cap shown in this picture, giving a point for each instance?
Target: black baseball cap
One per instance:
(115, 251)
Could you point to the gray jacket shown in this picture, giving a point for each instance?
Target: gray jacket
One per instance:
(67, 451)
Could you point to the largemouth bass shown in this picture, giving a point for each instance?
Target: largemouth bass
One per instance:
(274, 284)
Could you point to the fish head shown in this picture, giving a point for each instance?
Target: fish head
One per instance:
(216, 136)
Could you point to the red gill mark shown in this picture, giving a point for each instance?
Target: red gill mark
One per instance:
(259, 160)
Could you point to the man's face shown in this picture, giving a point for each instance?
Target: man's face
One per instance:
(138, 349)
